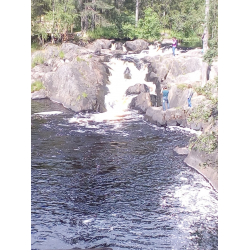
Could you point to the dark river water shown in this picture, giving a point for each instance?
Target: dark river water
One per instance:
(115, 184)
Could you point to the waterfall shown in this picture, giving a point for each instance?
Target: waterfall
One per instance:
(116, 101)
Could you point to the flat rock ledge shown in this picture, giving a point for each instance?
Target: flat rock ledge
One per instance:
(182, 151)
(170, 117)
(196, 160)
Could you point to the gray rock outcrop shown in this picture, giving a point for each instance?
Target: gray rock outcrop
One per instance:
(137, 89)
(41, 94)
(141, 102)
(78, 86)
(206, 164)
(136, 45)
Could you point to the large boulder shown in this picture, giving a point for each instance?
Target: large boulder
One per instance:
(141, 102)
(127, 73)
(170, 68)
(119, 46)
(156, 116)
(182, 151)
(39, 71)
(136, 45)
(137, 89)
(213, 71)
(98, 45)
(79, 86)
(105, 43)
(178, 96)
(41, 94)
(170, 117)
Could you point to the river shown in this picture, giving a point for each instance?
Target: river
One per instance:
(113, 180)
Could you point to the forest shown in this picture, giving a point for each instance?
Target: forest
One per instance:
(187, 20)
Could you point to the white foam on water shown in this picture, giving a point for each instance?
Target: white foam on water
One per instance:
(191, 131)
(49, 113)
(194, 199)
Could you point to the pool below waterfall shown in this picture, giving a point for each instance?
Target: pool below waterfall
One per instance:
(114, 180)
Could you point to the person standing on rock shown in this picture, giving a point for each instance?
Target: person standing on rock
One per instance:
(190, 94)
(164, 92)
(174, 45)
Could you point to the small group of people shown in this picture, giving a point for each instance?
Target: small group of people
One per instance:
(165, 93)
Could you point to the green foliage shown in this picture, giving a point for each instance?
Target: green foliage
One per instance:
(149, 27)
(104, 32)
(207, 142)
(78, 59)
(212, 52)
(209, 89)
(35, 46)
(185, 18)
(39, 59)
(182, 86)
(61, 54)
(37, 85)
(84, 95)
(108, 19)
(129, 31)
(53, 17)
(200, 113)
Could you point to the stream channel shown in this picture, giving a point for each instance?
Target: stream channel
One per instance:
(113, 180)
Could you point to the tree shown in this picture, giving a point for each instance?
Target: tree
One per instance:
(204, 70)
(136, 12)
(212, 51)
(149, 26)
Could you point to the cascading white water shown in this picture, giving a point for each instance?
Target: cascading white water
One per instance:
(116, 101)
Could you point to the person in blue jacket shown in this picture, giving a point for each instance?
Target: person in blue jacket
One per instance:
(189, 95)
(165, 93)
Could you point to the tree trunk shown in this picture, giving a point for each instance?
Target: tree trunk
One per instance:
(86, 27)
(136, 12)
(81, 22)
(93, 22)
(205, 46)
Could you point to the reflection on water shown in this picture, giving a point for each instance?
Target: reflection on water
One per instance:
(116, 184)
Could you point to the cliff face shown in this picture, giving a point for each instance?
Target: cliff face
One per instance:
(72, 76)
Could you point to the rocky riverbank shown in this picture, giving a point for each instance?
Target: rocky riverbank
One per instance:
(77, 76)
